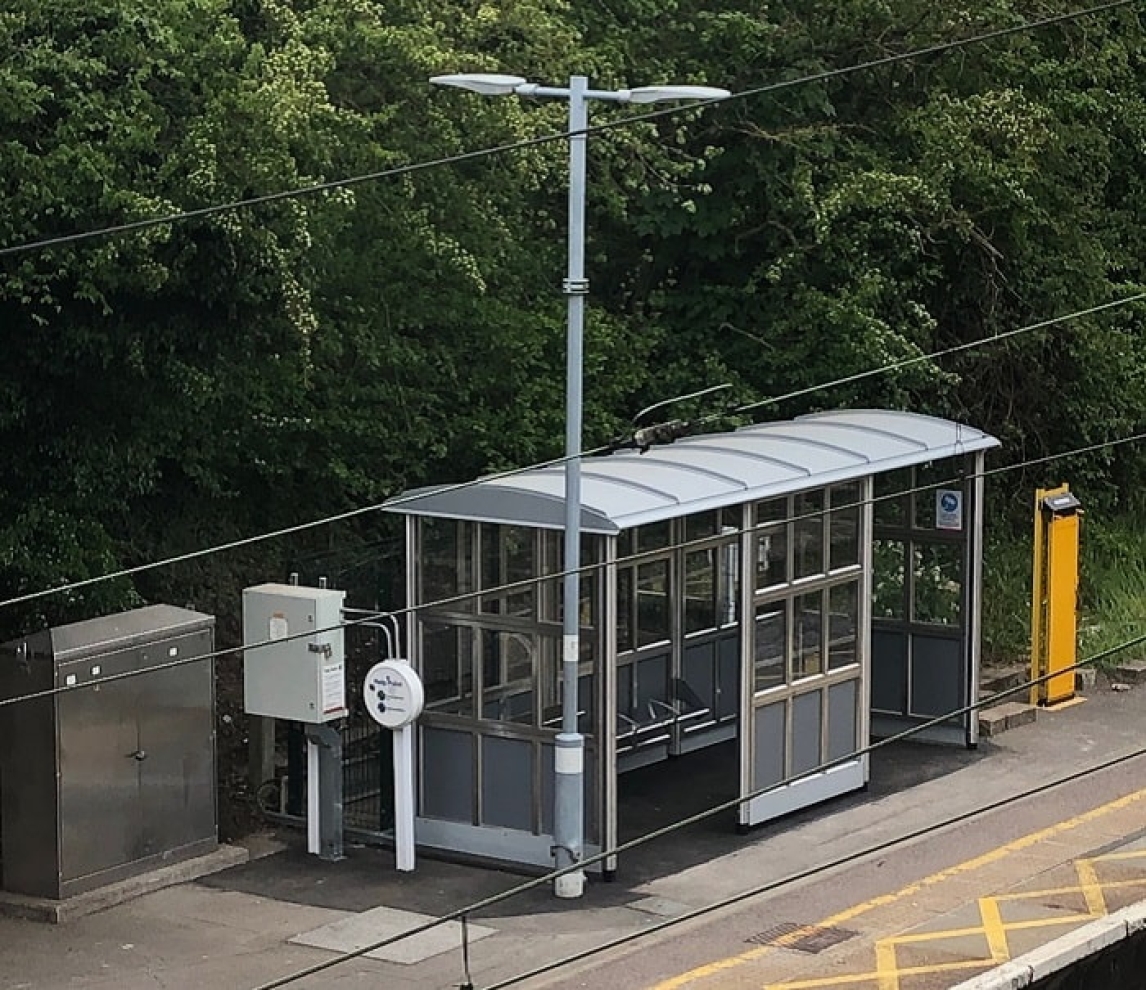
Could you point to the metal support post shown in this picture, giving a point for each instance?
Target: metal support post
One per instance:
(569, 752)
(324, 791)
(403, 741)
(260, 750)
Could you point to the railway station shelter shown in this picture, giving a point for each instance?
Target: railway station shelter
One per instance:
(797, 586)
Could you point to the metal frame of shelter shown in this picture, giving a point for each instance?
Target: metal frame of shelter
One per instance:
(795, 586)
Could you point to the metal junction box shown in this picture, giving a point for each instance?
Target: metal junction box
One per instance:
(298, 671)
(101, 781)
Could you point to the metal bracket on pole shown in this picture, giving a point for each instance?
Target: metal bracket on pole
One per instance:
(575, 286)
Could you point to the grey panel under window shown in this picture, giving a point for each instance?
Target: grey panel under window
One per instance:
(652, 686)
(625, 690)
(548, 783)
(889, 671)
(728, 676)
(937, 677)
(768, 749)
(448, 775)
(842, 719)
(700, 673)
(807, 720)
(592, 790)
(507, 782)
(586, 704)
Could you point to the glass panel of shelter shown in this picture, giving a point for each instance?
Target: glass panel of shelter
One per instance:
(808, 573)
(489, 633)
(919, 587)
(677, 589)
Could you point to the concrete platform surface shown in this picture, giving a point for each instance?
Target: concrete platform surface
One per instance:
(102, 898)
(912, 857)
(356, 931)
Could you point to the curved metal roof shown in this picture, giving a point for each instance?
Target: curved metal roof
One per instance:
(628, 489)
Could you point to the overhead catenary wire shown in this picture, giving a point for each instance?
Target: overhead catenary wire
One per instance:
(940, 48)
(720, 808)
(126, 572)
(526, 583)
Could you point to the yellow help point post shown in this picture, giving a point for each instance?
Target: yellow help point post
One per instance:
(1054, 598)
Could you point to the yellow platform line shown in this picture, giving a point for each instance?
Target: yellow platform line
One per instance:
(1091, 888)
(839, 981)
(1027, 895)
(994, 929)
(848, 914)
(938, 935)
(886, 966)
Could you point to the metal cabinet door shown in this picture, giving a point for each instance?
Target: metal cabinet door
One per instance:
(99, 774)
(176, 734)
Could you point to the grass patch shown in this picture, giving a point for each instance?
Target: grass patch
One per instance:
(1112, 592)
(1007, 600)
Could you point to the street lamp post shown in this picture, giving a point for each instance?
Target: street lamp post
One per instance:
(569, 758)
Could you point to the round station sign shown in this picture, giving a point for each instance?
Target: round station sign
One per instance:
(393, 694)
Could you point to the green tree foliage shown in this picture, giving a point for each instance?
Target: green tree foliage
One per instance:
(186, 384)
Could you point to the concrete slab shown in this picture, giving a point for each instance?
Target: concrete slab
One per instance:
(1059, 706)
(992, 722)
(1131, 672)
(55, 912)
(660, 907)
(356, 931)
(1016, 712)
(1085, 679)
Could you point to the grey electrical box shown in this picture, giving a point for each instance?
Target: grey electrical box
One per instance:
(111, 771)
(297, 671)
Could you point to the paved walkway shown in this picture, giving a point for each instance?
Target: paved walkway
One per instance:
(958, 922)
(924, 914)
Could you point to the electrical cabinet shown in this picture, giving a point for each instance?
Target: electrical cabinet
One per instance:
(297, 670)
(112, 771)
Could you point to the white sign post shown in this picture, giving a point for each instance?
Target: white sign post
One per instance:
(394, 698)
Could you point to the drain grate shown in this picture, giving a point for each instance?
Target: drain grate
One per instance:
(803, 938)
